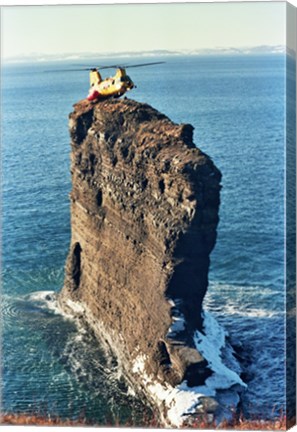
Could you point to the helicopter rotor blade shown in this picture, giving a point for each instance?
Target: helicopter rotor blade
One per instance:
(84, 68)
(143, 64)
(130, 66)
(81, 69)
(106, 67)
(69, 70)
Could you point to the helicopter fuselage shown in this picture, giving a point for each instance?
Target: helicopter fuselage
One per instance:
(110, 87)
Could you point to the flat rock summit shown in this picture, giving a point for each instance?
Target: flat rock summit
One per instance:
(144, 214)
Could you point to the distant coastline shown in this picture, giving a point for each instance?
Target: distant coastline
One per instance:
(258, 50)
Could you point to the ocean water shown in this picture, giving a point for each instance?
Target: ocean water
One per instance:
(237, 106)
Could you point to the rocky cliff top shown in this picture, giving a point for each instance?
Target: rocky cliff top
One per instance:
(158, 156)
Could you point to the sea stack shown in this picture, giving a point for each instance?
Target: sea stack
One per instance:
(144, 214)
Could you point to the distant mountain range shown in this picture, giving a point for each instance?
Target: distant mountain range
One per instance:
(263, 49)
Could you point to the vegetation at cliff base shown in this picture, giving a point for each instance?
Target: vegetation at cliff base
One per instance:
(238, 424)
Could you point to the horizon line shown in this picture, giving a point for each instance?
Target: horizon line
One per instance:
(244, 50)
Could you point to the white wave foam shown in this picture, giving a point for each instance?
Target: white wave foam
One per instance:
(235, 309)
(250, 289)
(41, 295)
(178, 323)
(183, 400)
(255, 319)
(45, 300)
(179, 401)
(210, 346)
(245, 301)
(76, 307)
(49, 300)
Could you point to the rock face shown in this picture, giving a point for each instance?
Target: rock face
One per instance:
(144, 212)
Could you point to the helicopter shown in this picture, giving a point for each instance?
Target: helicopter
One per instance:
(112, 87)
(109, 87)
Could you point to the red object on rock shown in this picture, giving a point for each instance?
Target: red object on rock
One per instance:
(93, 95)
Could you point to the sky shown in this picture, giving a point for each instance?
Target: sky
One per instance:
(55, 30)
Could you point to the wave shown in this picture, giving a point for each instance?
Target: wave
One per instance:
(48, 300)
(225, 382)
(225, 321)
(21, 308)
(240, 311)
(63, 361)
(224, 385)
(254, 301)
(44, 298)
(210, 345)
(254, 319)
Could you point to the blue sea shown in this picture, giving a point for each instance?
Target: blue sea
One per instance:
(237, 106)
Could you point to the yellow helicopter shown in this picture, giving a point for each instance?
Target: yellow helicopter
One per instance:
(112, 87)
